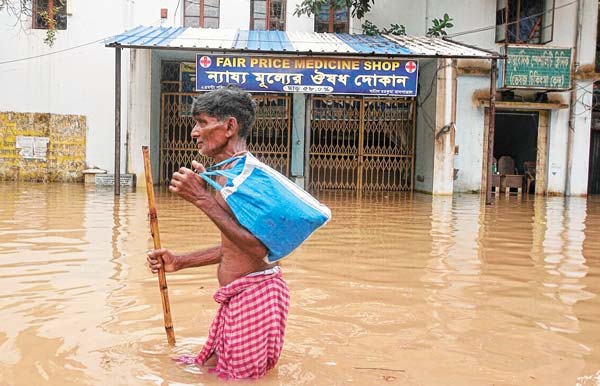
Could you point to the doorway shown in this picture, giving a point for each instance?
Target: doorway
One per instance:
(521, 135)
(516, 136)
(362, 143)
(515, 149)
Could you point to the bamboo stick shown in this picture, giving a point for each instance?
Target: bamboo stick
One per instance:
(162, 278)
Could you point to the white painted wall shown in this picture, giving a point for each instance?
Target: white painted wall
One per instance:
(580, 146)
(557, 151)
(469, 134)
(295, 23)
(235, 14)
(587, 48)
(79, 80)
(411, 14)
(139, 100)
(443, 159)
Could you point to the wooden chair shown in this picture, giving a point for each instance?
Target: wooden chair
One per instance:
(529, 167)
(495, 176)
(509, 176)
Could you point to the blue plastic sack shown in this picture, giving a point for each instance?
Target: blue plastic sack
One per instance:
(276, 211)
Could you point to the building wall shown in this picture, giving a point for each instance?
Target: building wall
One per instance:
(565, 152)
(411, 14)
(80, 80)
(235, 14)
(469, 134)
(62, 159)
(577, 183)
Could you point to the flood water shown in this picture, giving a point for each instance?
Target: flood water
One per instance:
(397, 289)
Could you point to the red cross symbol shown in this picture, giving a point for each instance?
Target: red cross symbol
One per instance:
(205, 62)
(410, 67)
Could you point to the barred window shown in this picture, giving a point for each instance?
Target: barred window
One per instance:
(267, 15)
(201, 13)
(524, 21)
(48, 14)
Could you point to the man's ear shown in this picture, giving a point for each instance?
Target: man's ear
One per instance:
(232, 126)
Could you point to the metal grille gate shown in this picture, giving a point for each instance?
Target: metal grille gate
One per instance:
(362, 143)
(269, 139)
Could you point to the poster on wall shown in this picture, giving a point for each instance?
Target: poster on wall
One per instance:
(308, 74)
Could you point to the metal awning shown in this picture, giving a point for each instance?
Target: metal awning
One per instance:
(296, 43)
(234, 41)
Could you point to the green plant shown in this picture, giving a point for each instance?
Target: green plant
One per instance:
(440, 25)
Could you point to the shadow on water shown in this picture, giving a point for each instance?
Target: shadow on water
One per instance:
(398, 288)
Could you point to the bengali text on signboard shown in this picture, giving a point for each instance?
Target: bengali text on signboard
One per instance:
(538, 67)
(319, 75)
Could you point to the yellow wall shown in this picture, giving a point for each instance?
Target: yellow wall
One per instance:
(65, 157)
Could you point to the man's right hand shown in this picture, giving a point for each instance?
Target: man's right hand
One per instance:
(169, 259)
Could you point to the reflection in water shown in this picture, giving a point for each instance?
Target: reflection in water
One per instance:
(398, 289)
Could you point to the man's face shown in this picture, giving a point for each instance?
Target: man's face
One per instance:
(210, 134)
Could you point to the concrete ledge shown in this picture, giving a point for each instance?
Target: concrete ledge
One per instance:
(89, 175)
(109, 179)
(524, 105)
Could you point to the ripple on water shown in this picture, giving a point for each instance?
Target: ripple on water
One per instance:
(397, 288)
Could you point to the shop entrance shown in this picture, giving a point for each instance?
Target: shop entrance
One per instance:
(269, 139)
(362, 143)
(515, 150)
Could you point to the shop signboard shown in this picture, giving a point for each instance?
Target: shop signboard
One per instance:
(545, 68)
(308, 74)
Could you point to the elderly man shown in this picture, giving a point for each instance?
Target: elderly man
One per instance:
(246, 337)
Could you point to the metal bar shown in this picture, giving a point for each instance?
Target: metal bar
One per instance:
(161, 132)
(288, 168)
(412, 151)
(361, 138)
(341, 55)
(491, 129)
(117, 121)
(307, 140)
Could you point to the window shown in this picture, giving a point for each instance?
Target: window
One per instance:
(331, 19)
(201, 13)
(47, 12)
(524, 21)
(267, 15)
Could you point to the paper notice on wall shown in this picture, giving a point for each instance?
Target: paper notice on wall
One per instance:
(32, 147)
(40, 147)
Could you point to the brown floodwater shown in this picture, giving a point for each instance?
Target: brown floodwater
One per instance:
(397, 289)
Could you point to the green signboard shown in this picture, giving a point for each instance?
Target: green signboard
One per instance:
(537, 67)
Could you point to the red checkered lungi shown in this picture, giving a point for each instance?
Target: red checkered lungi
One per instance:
(247, 333)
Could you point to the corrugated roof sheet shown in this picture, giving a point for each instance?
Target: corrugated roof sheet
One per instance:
(230, 40)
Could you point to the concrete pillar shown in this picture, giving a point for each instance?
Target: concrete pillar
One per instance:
(140, 113)
(444, 136)
(579, 151)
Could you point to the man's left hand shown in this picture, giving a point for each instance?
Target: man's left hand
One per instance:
(188, 185)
